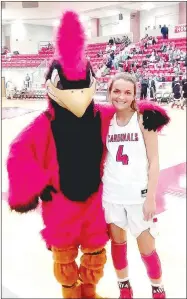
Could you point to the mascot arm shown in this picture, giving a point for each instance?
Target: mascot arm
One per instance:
(27, 179)
(154, 116)
(106, 110)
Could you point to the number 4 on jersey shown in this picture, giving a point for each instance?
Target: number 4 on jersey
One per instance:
(120, 157)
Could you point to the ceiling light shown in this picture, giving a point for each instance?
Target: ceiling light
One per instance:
(147, 6)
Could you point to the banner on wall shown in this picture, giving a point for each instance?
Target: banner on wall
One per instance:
(180, 28)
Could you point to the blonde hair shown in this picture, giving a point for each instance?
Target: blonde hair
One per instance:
(126, 77)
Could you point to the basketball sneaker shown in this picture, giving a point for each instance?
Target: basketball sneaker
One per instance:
(125, 290)
(126, 293)
(158, 292)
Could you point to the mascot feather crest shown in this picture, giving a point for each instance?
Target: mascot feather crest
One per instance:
(70, 45)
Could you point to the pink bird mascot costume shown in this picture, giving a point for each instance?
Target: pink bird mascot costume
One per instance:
(58, 161)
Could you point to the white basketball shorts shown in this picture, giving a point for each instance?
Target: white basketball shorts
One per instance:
(129, 216)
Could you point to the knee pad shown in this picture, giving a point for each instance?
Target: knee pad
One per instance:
(153, 265)
(119, 255)
(65, 267)
(92, 265)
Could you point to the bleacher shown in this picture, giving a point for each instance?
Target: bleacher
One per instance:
(46, 54)
(166, 71)
(34, 60)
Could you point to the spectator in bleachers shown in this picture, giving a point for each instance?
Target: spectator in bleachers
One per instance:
(15, 52)
(116, 61)
(117, 40)
(126, 40)
(109, 63)
(164, 32)
(163, 48)
(125, 55)
(150, 40)
(138, 50)
(171, 55)
(175, 54)
(113, 48)
(182, 55)
(5, 50)
(154, 41)
(50, 46)
(157, 57)
(176, 68)
(153, 56)
(178, 52)
(145, 44)
(130, 55)
(112, 54)
(173, 46)
(161, 63)
(169, 47)
(108, 48)
(111, 41)
(144, 63)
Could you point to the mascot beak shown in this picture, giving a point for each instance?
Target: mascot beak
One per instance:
(74, 100)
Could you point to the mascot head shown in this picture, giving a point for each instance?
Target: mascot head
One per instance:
(70, 82)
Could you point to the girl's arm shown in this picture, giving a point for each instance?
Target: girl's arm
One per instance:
(151, 144)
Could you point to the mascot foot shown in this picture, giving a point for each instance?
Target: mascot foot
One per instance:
(72, 292)
(89, 291)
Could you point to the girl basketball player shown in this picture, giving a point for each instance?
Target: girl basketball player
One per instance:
(130, 180)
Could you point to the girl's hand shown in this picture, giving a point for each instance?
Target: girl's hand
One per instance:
(149, 209)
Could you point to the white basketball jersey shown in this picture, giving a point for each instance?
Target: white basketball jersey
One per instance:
(126, 168)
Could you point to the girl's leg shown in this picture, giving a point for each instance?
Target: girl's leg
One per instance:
(119, 256)
(118, 238)
(146, 245)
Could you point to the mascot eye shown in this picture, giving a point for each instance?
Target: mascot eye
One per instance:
(55, 79)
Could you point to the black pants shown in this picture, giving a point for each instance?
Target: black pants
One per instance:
(165, 35)
(143, 93)
(152, 92)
